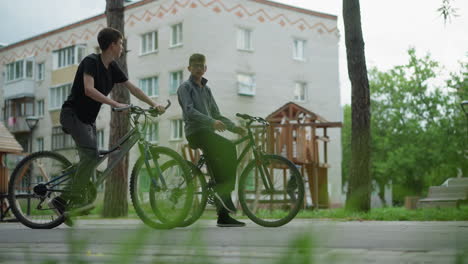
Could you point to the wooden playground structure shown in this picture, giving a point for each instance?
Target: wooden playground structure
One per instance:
(294, 133)
(8, 145)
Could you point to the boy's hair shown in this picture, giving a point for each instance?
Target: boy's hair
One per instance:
(197, 57)
(107, 36)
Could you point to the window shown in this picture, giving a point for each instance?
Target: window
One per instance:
(60, 140)
(152, 132)
(40, 144)
(40, 108)
(298, 50)
(177, 129)
(68, 56)
(100, 139)
(149, 42)
(244, 39)
(150, 86)
(81, 50)
(40, 71)
(24, 108)
(245, 84)
(176, 35)
(19, 70)
(300, 92)
(58, 95)
(29, 68)
(175, 81)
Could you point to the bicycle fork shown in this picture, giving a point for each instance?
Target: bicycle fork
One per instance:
(144, 149)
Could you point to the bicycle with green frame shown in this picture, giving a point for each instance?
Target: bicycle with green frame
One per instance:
(160, 178)
(270, 187)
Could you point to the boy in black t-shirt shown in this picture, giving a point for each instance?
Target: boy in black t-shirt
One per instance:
(94, 80)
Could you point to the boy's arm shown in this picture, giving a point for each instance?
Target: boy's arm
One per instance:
(217, 115)
(138, 93)
(94, 94)
(186, 103)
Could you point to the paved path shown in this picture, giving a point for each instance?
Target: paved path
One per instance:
(301, 241)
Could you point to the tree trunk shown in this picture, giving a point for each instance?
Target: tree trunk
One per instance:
(115, 197)
(359, 187)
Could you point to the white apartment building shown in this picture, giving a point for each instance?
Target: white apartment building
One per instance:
(260, 55)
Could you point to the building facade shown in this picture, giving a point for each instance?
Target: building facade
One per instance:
(260, 55)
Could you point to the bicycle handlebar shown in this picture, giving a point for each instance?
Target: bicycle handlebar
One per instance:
(139, 109)
(252, 118)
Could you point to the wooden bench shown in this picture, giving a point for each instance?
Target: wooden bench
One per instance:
(444, 197)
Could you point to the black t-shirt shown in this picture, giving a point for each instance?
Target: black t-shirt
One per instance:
(86, 108)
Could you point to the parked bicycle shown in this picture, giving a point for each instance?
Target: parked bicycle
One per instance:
(270, 188)
(160, 178)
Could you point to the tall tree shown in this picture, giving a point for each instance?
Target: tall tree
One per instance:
(359, 187)
(115, 197)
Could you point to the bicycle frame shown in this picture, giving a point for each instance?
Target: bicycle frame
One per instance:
(265, 175)
(119, 151)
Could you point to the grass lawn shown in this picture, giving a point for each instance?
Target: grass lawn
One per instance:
(340, 214)
(390, 214)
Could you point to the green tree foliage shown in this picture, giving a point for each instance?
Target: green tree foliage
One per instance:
(418, 127)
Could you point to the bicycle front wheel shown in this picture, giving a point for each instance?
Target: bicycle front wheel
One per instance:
(35, 181)
(200, 196)
(161, 194)
(274, 201)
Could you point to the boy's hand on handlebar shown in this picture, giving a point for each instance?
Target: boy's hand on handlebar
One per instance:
(161, 109)
(219, 126)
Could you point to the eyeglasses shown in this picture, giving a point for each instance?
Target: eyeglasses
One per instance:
(199, 66)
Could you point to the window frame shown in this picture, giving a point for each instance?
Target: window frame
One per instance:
(241, 86)
(68, 56)
(40, 106)
(305, 93)
(296, 55)
(40, 71)
(18, 70)
(56, 100)
(172, 84)
(143, 42)
(176, 29)
(60, 140)
(242, 43)
(154, 85)
(40, 144)
(177, 125)
(152, 132)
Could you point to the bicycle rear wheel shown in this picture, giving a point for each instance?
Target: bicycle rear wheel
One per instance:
(35, 181)
(271, 207)
(162, 196)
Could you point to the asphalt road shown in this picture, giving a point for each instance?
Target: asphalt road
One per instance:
(301, 241)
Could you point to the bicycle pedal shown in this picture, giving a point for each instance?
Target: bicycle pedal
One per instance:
(210, 199)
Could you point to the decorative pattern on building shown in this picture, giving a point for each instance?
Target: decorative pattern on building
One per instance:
(217, 6)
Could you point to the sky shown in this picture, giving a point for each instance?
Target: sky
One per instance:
(390, 28)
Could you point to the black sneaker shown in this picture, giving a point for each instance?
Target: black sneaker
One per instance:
(225, 202)
(59, 205)
(227, 221)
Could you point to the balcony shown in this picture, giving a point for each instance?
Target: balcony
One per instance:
(17, 124)
(18, 88)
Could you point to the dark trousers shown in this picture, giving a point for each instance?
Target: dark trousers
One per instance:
(84, 136)
(221, 157)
